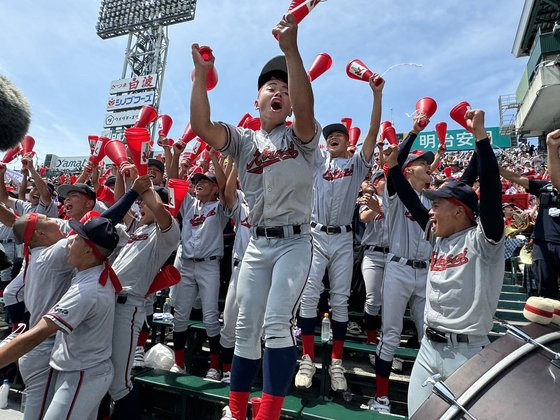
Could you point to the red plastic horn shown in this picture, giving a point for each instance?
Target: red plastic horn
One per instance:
(99, 151)
(116, 151)
(27, 147)
(354, 135)
(167, 277)
(244, 119)
(427, 106)
(146, 116)
(356, 69)
(92, 140)
(139, 148)
(382, 128)
(188, 134)
(11, 154)
(164, 124)
(301, 9)
(390, 134)
(458, 114)
(320, 65)
(347, 122)
(447, 172)
(206, 156)
(253, 124)
(178, 189)
(212, 75)
(441, 130)
(73, 179)
(199, 150)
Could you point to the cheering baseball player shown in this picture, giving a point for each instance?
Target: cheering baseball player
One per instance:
(464, 281)
(406, 267)
(275, 167)
(336, 185)
(376, 243)
(553, 144)
(81, 369)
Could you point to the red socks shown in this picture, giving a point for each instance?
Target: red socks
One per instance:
(381, 386)
(270, 408)
(337, 349)
(255, 406)
(238, 404)
(371, 336)
(226, 367)
(214, 361)
(180, 357)
(142, 338)
(309, 345)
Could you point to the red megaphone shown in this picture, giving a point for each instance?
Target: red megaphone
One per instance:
(300, 9)
(99, 151)
(347, 122)
(441, 130)
(243, 119)
(199, 150)
(92, 140)
(139, 148)
(355, 69)
(390, 134)
(320, 65)
(167, 277)
(253, 124)
(178, 189)
(116, 151)
(354, 135)
(206, 156)
(188, 134)
(426, 106)
(458, 114)
(11, 154)
(447, 172)
(382, 128)
(212, 75)
(27, 147)
(164, 124)
(146, 116)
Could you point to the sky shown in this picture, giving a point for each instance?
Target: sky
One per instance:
(51, 51)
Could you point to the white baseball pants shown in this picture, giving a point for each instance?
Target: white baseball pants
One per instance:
(373, 268)
(231, 309)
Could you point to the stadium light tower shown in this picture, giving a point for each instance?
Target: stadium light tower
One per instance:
(141, 81)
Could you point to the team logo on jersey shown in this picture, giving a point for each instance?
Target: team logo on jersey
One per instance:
(337, 173)
(245, 222)
(198, 220)
(269, 157)
(134, 238)
(409, 216)
(59, 310)
(443, 262)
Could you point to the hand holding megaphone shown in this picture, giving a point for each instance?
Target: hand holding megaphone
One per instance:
(285, 32)
(128, 170)
(179, 146)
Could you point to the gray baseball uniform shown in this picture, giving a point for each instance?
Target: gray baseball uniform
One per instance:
(336, 184)
(81, 366)
(136, 266)
(276, 171)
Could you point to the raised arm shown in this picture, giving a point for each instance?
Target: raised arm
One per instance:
(163, 217)
(471, 172)
(514, 177)
(212, 133)
(173, 169)
(7, 217)
(299, 86)
(230, 191)
(4, 197)
(553, 144)
(437, 158)
(40, 184)
(375, 119)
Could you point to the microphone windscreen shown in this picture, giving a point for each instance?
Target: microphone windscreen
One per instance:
(15, 114)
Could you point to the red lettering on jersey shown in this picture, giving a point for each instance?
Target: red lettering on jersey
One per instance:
(269, 157)
(198, 220)
(409, 216)
(338, 173)
(245, 222)
(134, 238)
(443, 262)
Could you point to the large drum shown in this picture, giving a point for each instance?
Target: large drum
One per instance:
(509, 379)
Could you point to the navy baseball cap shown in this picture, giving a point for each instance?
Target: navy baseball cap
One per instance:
(417, 154)
(377, 174)
(331, 128)
(99, 230)
(157, 163)
(277, 68)
(64, 189)
(163, 194)
(459, 191)
(196, 178)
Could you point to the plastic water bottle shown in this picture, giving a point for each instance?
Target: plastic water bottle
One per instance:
(4, 391)
(167, 310)
(325, 328)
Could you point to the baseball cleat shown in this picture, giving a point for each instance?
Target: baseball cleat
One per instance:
(380, 404)
(177, 369)
(213, 374)
(226, 377)
(304, 377)
(336, 371)
(397, 365)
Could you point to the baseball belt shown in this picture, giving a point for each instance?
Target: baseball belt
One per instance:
(375, 248)
(417, 264)
(276, 231)
(215, 257)
(331, 230)
(441, 337)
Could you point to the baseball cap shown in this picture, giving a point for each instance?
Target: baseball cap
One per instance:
(458, 190)
(377, 174)
(331, 128)
(196, 178)
(163, 194)
(110, 181)
(157, 163)
(64, 189)
(99, 230)
(418, 154)
(276, 67)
